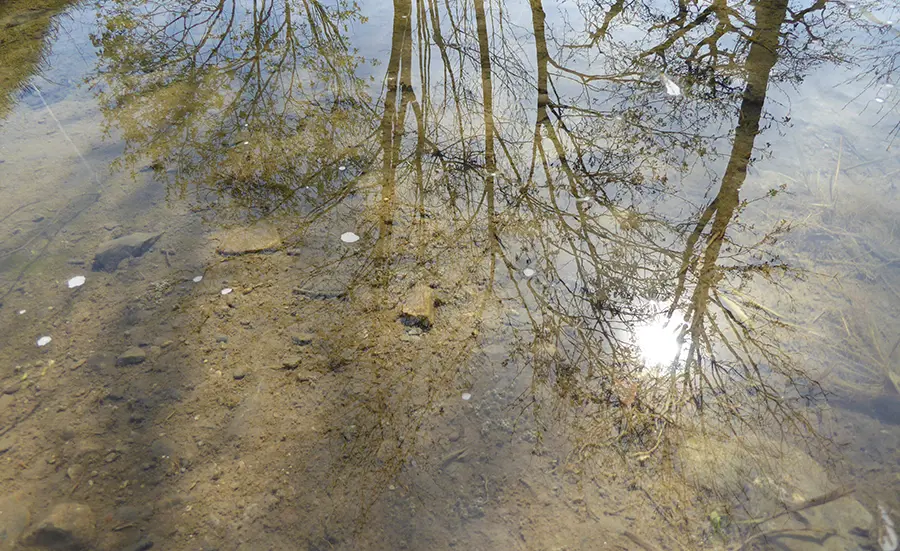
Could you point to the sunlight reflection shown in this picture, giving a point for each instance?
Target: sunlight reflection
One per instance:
(659, 339)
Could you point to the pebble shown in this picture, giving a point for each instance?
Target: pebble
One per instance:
(303, 339)
(75, 472)
(132, 356)
(37, 219)
(13, 388)
(238, 374)
(221, 338)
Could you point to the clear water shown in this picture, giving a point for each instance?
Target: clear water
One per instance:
(503, 274)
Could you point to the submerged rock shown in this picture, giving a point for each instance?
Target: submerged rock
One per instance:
(418, 310)
(112, 252)
(257, 239)
(132, 356)
(68, 527)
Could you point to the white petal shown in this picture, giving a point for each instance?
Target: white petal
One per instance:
(671, 87)
(466, 396)
(197, 279)
(349, 237)
(44, 341)
(227, 290)
(76, 281)
(528, 272)
(21, 312)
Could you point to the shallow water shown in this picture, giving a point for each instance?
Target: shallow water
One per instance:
(430, 275)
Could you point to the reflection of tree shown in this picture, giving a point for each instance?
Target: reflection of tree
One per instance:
(26, 26)
(261, 107)
(579, 168)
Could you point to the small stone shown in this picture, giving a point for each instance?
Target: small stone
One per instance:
(257, 239)
(75, 472)
(418, 310)
(76, 262)
(68, 527)
(112, 252)
(221, 338)
(238, 374)
(414, 331)
(303, 339)
(37, 219)
(291, 363)
(13, 388)
(78, 364)
(132, 356)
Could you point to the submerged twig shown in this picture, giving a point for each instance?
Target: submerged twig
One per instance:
(837, 170)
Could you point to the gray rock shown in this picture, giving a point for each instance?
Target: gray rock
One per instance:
(221, 338)
(112, 252)
(238, 374)
(257, 239)
(68, 527)
(13, 520)
(132, 356)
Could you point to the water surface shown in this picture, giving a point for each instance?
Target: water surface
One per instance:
(439, 274)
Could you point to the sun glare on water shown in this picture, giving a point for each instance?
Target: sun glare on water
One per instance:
(657, 339)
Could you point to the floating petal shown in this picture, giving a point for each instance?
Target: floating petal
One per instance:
(44, 341)
(349, 237)
(671, 87)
